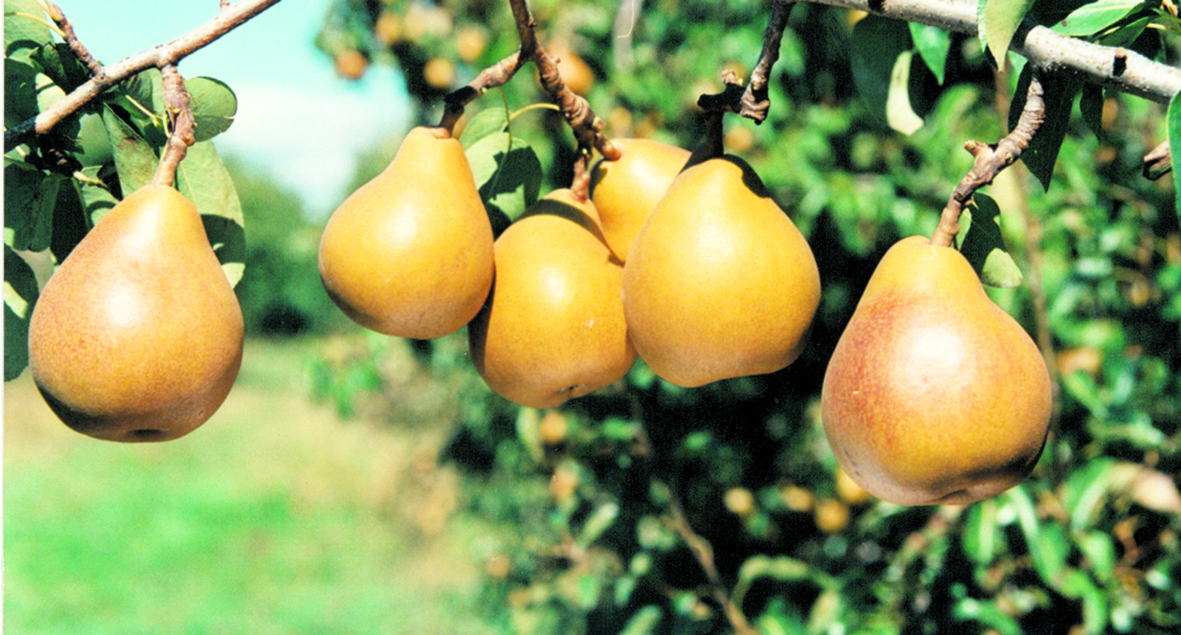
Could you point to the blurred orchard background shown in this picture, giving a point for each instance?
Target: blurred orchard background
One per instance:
(356, 483)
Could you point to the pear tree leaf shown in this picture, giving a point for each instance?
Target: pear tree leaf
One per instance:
(1059, 92)
(899, 113)
(203, 179)
(213, 105)
(20, 294)
(20, 91)
(1096, 16)
(60, 64)
(933, 45)
(25, 25)
(487, 122)
(980, 241)
(135, 160)
(982, 535)
(998, 21)
(1174, 127)
(877, 44)
(29, 200)
(1090, 105)
(508, 175)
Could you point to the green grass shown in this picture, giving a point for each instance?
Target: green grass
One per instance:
(274, 517)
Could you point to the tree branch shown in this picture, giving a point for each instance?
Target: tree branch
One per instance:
(1114, 67)
(230, 16)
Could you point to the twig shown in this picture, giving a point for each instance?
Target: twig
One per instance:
(587, 127)
(71, 38)
(180, 116)
(230, 17)
(753, 102)
(990, 160)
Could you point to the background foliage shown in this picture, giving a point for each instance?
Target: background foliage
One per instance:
(1088, 544)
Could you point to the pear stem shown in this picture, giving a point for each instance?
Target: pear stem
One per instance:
(990, 160)
(753, 101)
(180, 117)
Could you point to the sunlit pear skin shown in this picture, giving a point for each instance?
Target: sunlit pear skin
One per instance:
(934, 394)
(553, 326)
(409, 253)
(719, 283)
(626, 190)
(138, 334)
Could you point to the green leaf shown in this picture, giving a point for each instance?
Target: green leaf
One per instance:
(998, 21)
(981, 243)
(1090, 105)
(25, 24)
(204, 180)
(899, 113)
(30, 197)
(981, 536)
(135, 160)
(1047, 543)
(20, 294)
(213, 105)
(877, 44)
(1093, 17)
(58, 63)
(20, 91)
(488, 122)
(1174, 124)
(1058, 93)
(644, 622)
(508, 175)
(933, 45)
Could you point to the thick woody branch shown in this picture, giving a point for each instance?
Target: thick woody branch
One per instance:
(990, 160)
(1115, 67)
(229, 17)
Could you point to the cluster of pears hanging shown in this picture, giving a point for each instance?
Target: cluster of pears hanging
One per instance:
(683, 260)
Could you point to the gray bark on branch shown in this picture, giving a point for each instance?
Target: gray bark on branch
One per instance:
(1113, 67)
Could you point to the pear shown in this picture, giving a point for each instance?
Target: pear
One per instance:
(138, 334)
(409, 253)
(553, 326)
(626, 190)
(934, 394)
(719, 282)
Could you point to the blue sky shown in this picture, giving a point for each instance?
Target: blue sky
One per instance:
(295, 116)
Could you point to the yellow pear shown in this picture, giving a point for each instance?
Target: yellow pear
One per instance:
(626, 190)
(409, 253)
(553, 326)
(719, 283)
(934, 394)
(138, 334)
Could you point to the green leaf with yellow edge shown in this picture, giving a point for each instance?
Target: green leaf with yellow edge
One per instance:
(980, 241)
(899, 113)
(998, 21)
(1093, 17)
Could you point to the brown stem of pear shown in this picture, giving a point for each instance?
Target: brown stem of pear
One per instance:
(752, 101)
(700, 548)
(990, 160)
(180, 117)
(587, 127)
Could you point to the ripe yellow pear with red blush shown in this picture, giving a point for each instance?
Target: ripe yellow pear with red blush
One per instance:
(553, 326)
(138, 334)
(719, 283)
(626, 190)
(934, 394)
(409, 253)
